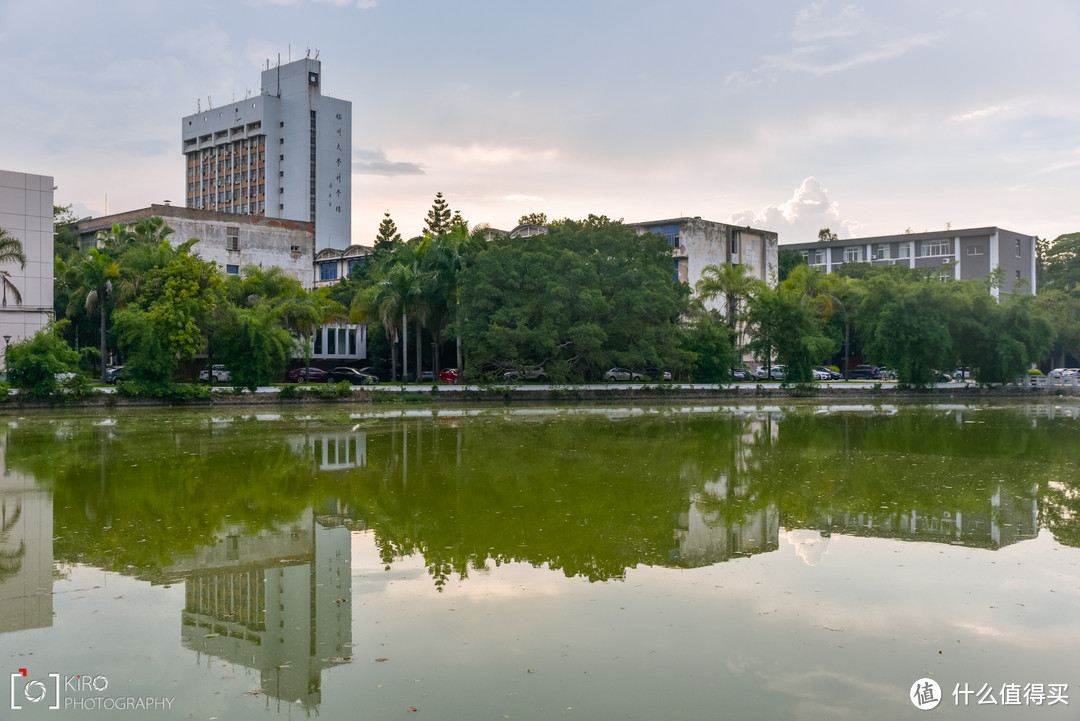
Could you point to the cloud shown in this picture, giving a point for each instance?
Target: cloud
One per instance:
(798, 219)
(497, 155)
(823, 59)
(982, 113)
(375, 162)
(524, 198)
(826, 43)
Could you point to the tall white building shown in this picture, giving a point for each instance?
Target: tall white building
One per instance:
(286, 153)
(26, 212)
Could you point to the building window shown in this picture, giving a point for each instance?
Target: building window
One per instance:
(853, 254)
(881, 252)
(232, 238)
(975, 250)
(1017, 248)
(232, 269)
(1017, 276)
(295, 249)
(734, 242)
(935, 247)
(328, 271)
(904, 250)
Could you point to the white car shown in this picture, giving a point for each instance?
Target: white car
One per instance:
(821, 375)
(217, 372)
(622, 374)
(1064, 372)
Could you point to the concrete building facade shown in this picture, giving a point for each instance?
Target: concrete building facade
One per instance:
(26, 213)
(231, 241)
(696, 244)
(968, 254)
(332, 264)
(286, 153)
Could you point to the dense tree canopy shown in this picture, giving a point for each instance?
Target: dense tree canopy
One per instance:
(588, 295)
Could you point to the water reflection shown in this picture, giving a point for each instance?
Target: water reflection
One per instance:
(253, 515)
(278, 601)
(26, 552)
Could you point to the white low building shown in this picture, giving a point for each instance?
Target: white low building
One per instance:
(231, 241)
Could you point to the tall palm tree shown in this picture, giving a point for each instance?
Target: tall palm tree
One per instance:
(95, 279)
(11, 250)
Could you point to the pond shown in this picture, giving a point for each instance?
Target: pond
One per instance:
(796, 561)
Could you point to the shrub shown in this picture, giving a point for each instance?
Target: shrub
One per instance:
(34, 363)
(158, 390)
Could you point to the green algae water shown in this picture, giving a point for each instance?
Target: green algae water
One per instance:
(652, 562)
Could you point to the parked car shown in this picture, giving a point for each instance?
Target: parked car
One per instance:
(864, 372)
(218, 373)
(113, 374)
(373, 371)
(449, 375)
(305, 375)
(344, 373)
(821, 374)
(741, 374)
(622, 374)
(532, 373)
(427, 376)
(1063, 372)
(830, 374)
(761, 373)
(777, 373)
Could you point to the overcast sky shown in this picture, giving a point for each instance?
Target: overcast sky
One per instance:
(868, 118)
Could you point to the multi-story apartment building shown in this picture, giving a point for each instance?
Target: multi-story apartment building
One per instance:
(286, 153)
(696, 244)
(961, 254)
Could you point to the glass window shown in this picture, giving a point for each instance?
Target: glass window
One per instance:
(935, 247)
(881, 252)
(328, 271)
(853, 254)
(232, 269)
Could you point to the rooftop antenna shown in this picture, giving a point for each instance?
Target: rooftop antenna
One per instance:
(209, 102)
(198, 105)
(316, 53)
(309, 52)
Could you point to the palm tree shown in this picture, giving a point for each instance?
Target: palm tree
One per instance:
(11, 250)
(95, 279)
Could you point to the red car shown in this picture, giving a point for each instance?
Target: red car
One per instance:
(449, 375)
(305, 375)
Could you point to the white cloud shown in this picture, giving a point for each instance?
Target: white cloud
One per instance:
(982, 113)
(824, 59)
(798, 219)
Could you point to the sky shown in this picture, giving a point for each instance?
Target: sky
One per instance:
(867, 118)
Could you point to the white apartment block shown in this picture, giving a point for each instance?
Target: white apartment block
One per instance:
(286, 153)
(26, 212)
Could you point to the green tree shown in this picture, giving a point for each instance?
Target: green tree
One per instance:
(825, 235)
(33, 363)
(533, 219)
(587, 295)
(787, 260)
(1062, 263)
(65, 232)
(95, 282)
(733, 283)
(388, 237)
(789, 321)
(438, 218)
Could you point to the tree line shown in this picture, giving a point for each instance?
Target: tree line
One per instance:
(587, 295)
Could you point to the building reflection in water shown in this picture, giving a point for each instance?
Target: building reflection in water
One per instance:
(1005, 519)
(26, 552)
(277, 601)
